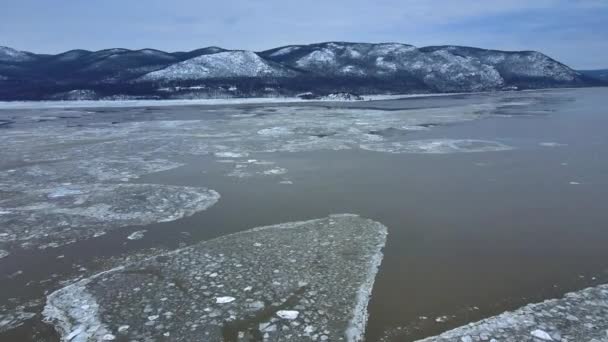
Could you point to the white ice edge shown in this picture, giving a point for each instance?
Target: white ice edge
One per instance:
(195, 102)
(225, 101)
(356, 327)
(88, 324)
(77, 291)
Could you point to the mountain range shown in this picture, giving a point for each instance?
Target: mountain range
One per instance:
(322, 68)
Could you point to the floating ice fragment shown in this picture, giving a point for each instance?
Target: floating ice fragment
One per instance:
(551, 144)
(574, 183)
(288, 314)
(231, 154)
(94, 209)
(10, 320)
(276, 171)
(441, 319)
(3, 253)
(138, 235)
(540, 334)
(224, 300)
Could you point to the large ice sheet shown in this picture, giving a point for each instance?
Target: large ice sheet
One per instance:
(578, 316)
(190, 102)
(297, 281)
(60, 213)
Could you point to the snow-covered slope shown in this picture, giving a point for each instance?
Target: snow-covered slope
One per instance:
(11, 55)
(515, 64)
(229, 64)
(440, 70)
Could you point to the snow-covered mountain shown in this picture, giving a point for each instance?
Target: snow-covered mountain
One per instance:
(321, 68)
(228, 64)
(443, 68)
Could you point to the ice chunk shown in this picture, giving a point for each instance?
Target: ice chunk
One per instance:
(138, 235)
(540, 334)
(224, 300)
(275, 131)
(288, 314)
(328, 288)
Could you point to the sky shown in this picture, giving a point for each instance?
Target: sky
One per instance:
(573, 32)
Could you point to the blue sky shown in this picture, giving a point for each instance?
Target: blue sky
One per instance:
(574, 32)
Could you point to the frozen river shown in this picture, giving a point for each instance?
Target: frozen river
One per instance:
(490, 201)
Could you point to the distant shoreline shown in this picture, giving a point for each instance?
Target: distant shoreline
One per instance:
(229, 101)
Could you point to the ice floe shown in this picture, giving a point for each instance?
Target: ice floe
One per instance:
(578, 316)
(437, 146)
(54, 215)
(255, 292)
